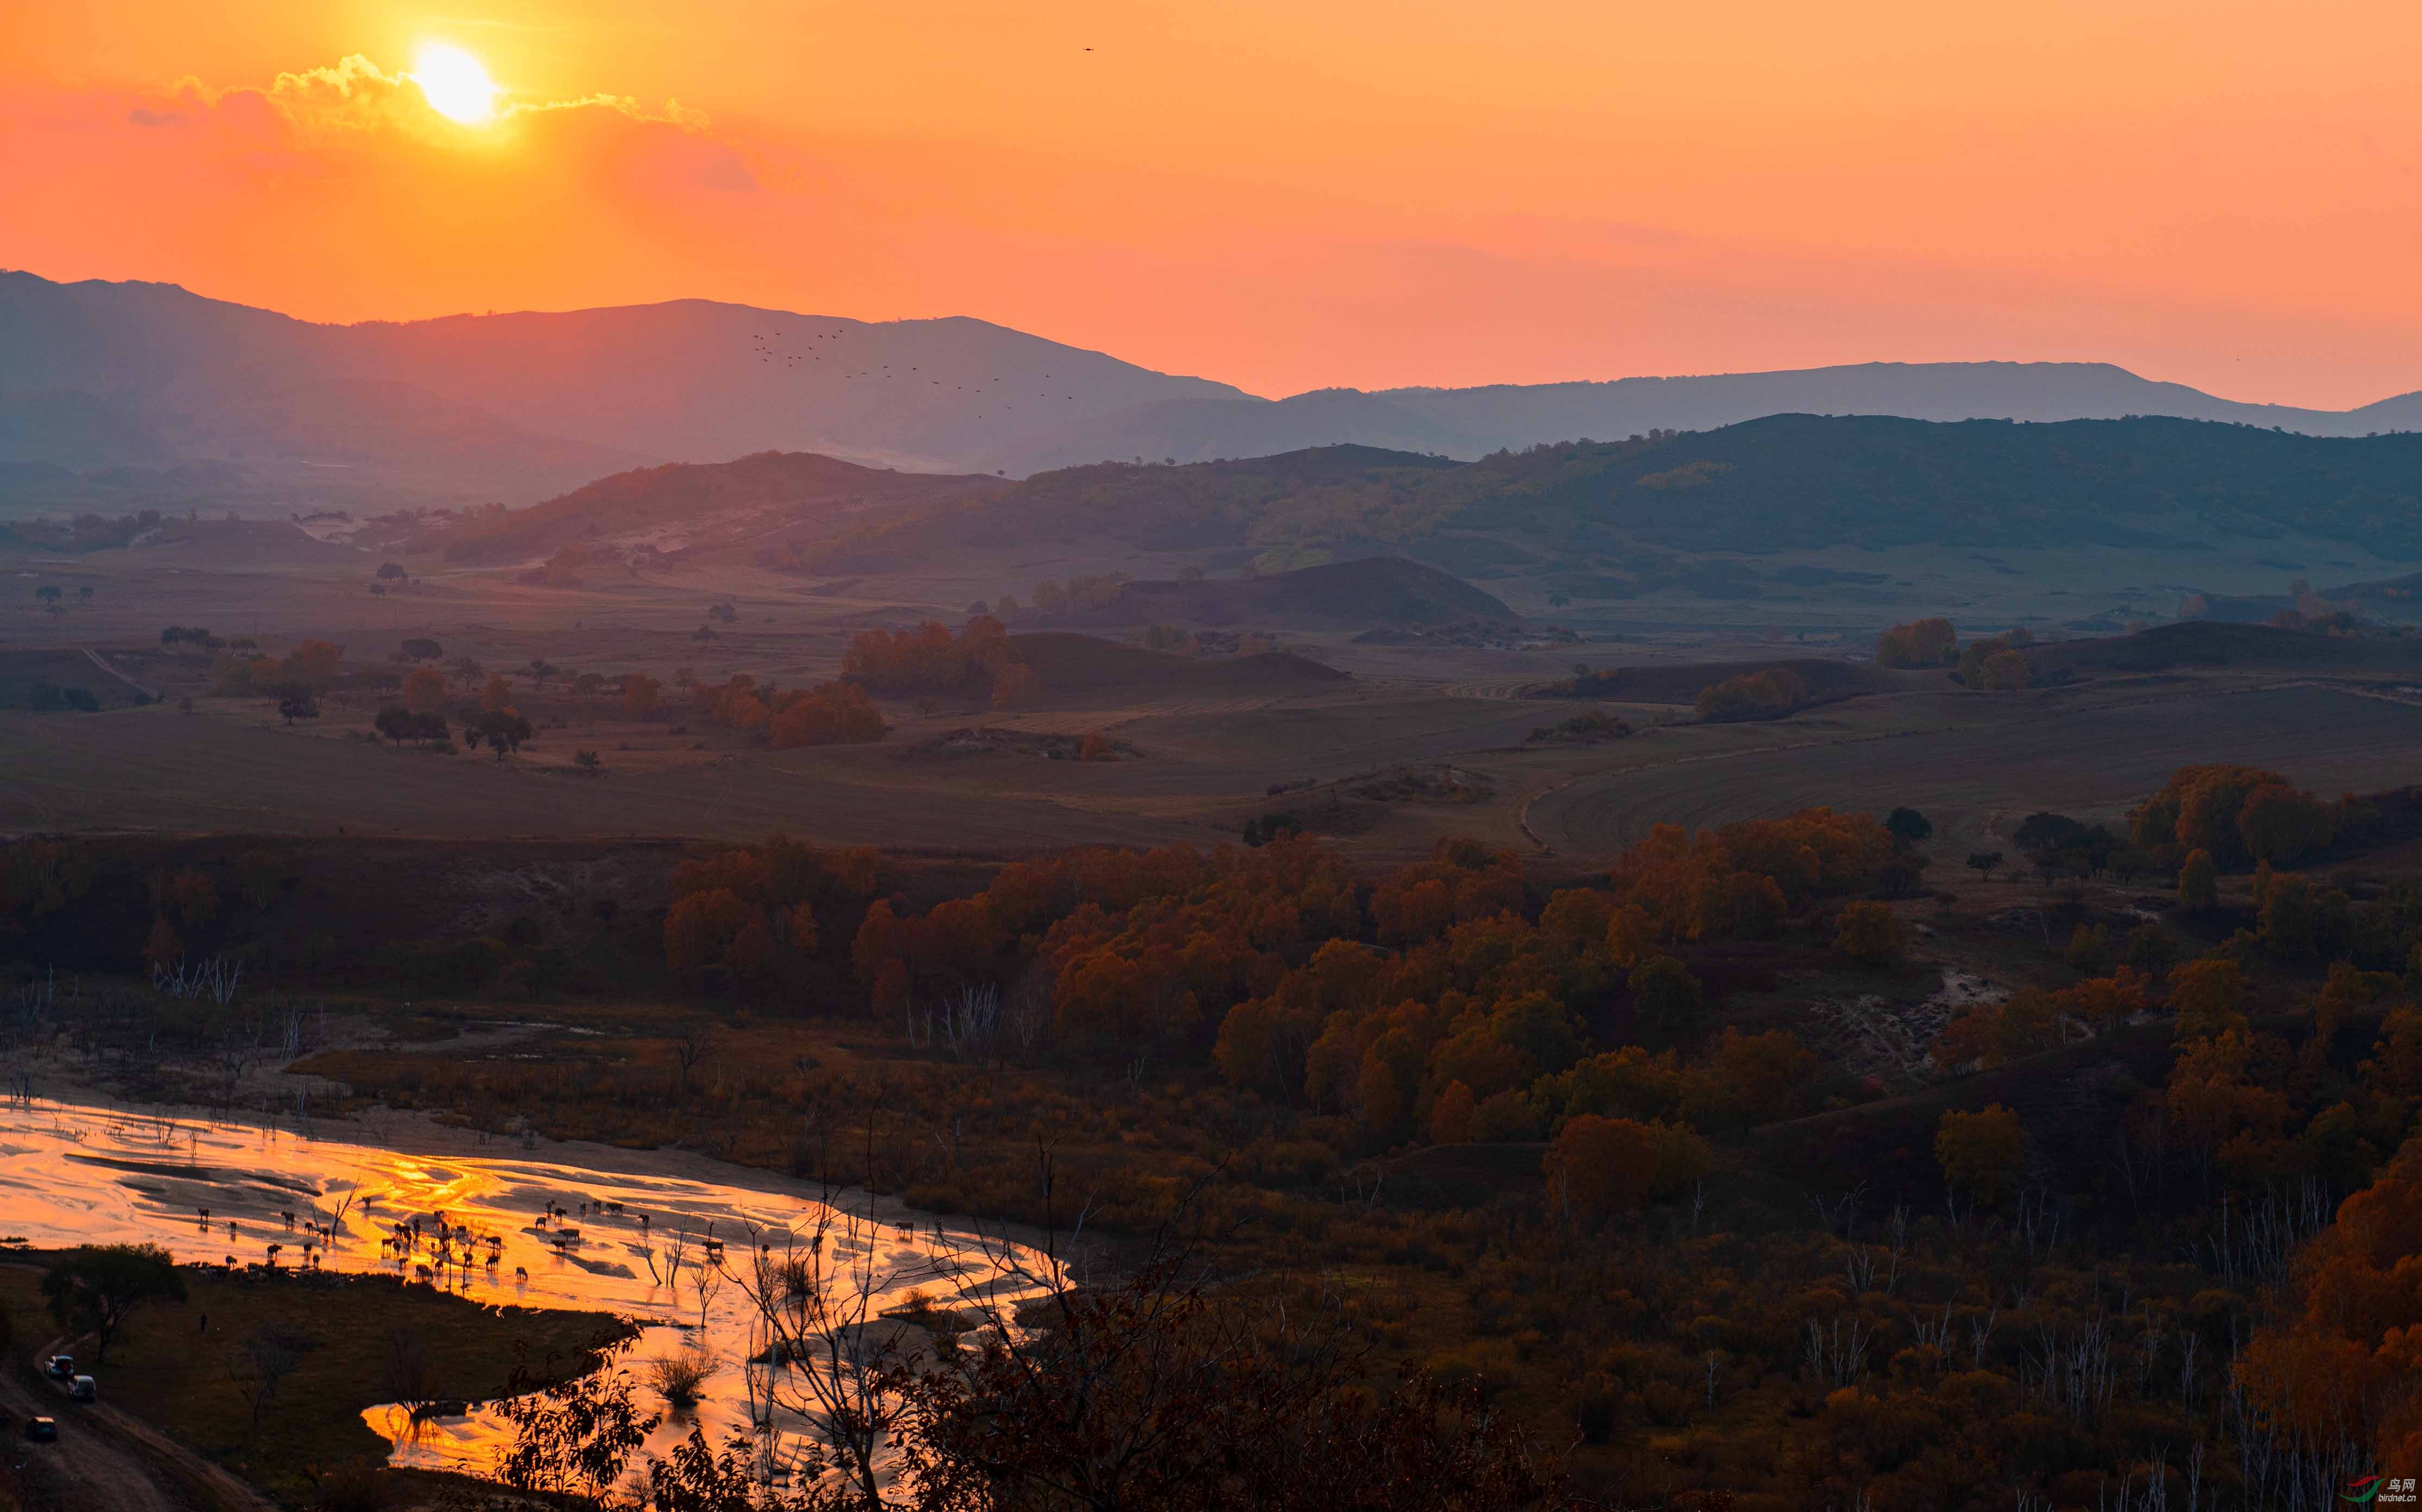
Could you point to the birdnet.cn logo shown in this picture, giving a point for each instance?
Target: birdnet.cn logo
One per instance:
(2379, 1491)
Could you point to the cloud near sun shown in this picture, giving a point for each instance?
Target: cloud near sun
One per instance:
(322, 120)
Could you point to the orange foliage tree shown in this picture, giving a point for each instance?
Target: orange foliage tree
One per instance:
(314, 662)
(1983, 1155)
(2334, 1370)
(1919, 644)
(424, 690)
(1018, 686)
(2235, 814)
(753, 913)
(642, 695)
(929, 659)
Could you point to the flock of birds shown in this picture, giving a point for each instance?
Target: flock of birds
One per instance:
(787, 361)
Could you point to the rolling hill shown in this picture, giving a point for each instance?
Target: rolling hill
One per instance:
(1071, 663)
(2216, 643)
(1616, 520)
(1364, 590)
(680, 505)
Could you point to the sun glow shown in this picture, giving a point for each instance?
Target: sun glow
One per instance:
(455, 84)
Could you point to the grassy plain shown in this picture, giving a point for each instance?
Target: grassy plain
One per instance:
(1200, 756)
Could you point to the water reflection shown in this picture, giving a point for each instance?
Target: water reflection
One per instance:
(715, 1270)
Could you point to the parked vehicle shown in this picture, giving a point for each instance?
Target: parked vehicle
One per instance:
(83, 1389)
(59, 1367)
(41, 1431)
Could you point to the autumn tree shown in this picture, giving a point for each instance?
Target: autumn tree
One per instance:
(314, 662)
(424, 690)
(1872, 934)
(1016, 686)
(1665, 996)
(2333, 1369)
(2239, 814)
(1765, 695)
(497, 694)
(2289, 918)
(1598, 1166)
(831, 714)
(1920, 643)
(641, 695)
(2004, 671)
(2208, 997)
(1451, 1114)
(1982, 1155)
(2198, 883)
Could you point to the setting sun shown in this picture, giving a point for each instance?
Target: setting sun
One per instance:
(455, 84)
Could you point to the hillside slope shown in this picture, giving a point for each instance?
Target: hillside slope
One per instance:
(1365, 590)
(2214, 643)
(1605, 518)
(1072, 665)
(681, 504)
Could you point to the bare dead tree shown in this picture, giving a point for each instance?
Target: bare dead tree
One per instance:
(267, 1356)
(692, 1044)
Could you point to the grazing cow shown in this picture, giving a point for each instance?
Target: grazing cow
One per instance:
(421, 1273)
(521, 1273)
(290, 1221)
(203, 1213)
(273, 1253)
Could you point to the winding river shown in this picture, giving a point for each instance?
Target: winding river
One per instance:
(647, 1242)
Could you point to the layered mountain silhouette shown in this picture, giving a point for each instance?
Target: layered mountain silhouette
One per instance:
(115, 391)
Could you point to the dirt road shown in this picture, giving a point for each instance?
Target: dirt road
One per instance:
(105, 1460)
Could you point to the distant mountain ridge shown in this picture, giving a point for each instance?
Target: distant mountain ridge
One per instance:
(98, 377)
(1604, 520)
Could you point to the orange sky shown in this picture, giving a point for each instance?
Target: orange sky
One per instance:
(1285, 194)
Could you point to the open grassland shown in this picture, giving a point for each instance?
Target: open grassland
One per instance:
(2051, 751)
(1194, 769)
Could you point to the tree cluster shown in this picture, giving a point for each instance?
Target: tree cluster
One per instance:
(1920, 643)
(751, 916)
(1765, 695)
(2237, 815)
(829, 714)
(929, 659)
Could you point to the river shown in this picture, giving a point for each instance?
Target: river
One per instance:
(642, 1242)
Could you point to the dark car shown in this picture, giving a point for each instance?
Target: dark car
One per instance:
(41, 1431)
